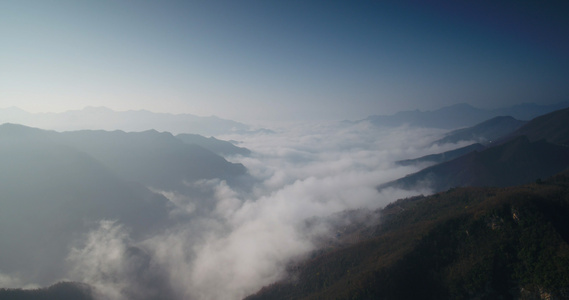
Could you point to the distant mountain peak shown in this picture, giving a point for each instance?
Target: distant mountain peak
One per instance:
(103, 118)
(460, 105)
(97, 109)
(461, 115)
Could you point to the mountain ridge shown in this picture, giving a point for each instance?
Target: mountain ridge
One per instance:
(103, 118)
(219, 147)
(553, 127)
(460, 115)
(512, 159)
(52, 194)
(464, 243)
(518, 161)
(484, 132)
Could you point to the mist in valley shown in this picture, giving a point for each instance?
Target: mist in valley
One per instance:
(219, 238)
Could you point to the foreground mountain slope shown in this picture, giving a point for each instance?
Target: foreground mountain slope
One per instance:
(52, 194)
(442, 157)
(156, 159)
(219, 147)
(484, 132)
(518, 161)
(59, 291)
(553, 127)
(513, 159)
(466, 243)
(461, 115)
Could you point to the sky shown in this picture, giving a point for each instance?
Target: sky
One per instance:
(281, 60)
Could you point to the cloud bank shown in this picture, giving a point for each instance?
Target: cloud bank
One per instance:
(243, 239)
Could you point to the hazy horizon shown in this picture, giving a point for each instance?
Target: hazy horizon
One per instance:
(253, 61)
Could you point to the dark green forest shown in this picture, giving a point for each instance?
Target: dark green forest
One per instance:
(465, 243)
(59, 291)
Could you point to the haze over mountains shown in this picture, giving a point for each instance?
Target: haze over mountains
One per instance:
(462, 115)
(52, 193)
(101, 118)
(149, 214)
(485, 132)
(57, 186)
(206, 150)
(219, 147)
(535, 150)
(133, 120)
(465, 243)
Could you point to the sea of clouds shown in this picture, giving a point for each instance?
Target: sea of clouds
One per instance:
(236, 239)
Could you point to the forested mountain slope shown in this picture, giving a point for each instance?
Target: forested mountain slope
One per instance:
(466, 243)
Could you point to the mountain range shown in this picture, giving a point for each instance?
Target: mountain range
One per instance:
(56, 186)
(495, 228)
(515, 162)
(223, 148)
(101, 118)
(535, 150)
(553, 127)
(484, 132)
(156, 159)
(461, 115)
(52, 193)
(465, 243)
(442, 157)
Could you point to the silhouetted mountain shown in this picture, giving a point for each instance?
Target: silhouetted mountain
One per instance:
(101, 118)
(518, 161)
(528, 111)
(536, 150)
(58, 291)
(484, 132)
(466, 243)
(52, 193)
(155, 159)
(460, 115)
(219, 147)
(56, 186)
(553, 127)
(442, 157)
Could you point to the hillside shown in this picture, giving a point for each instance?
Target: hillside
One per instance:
(455, 116)
(55, 187)
(52, 193)
(219, 147)
(461, 115)
(59, 291)
(156, 159)
(516, 162)
(553, 127)
(484, 132)
(442, 157)
(466, 243)
(535, 150)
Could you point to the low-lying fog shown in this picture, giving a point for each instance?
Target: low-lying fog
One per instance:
(242, 238)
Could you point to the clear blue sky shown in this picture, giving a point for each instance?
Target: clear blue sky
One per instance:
(281, 60)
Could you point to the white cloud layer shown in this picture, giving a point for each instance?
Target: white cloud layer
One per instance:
(247, 238)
